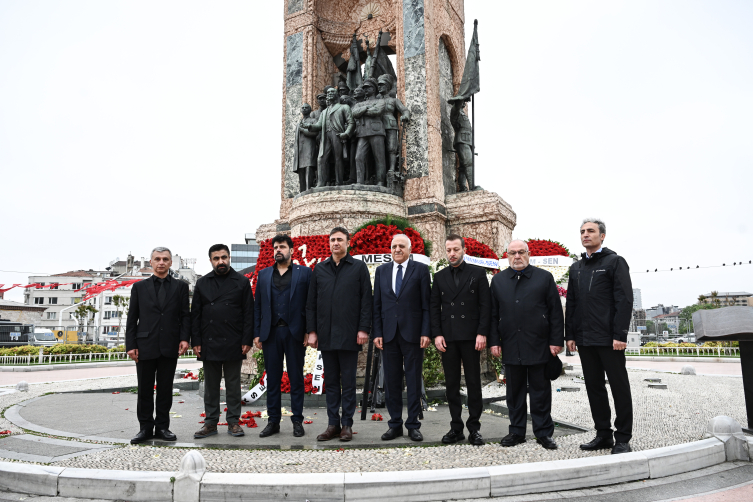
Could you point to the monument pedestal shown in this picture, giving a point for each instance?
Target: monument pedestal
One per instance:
(483, 215)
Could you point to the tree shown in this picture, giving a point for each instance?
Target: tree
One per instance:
(701, 299)
(715, 298)
(686, 315)
(82, 313)
(121, 304)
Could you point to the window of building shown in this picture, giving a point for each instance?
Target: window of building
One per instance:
(39, 301)
(108, 300)
(107, 314)
(76, 285)
(53, 300)
(54, 287)
(52, 315)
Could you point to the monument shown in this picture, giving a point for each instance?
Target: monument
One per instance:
(410, 152)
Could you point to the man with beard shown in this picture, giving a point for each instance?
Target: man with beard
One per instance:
(460, 318)
(336, 124)
(157, 332)
(280, 316)
(370, 132)
(338, 319)
(392, 106)
(222, 321)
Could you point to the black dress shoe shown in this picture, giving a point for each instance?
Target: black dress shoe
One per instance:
(415, 435)
(392, 433)
(271, 428)
(164, 435)
(475, 438)
(453, 437)
(598, 443)
(143, 435)
(298, 429)
(512, 440)
(621, 448)
(547, 442)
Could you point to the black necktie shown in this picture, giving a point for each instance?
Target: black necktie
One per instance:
(162, 293)
(456, 276)
(399, 279)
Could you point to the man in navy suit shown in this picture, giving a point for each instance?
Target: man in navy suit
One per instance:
(402, 329)
(280, 314)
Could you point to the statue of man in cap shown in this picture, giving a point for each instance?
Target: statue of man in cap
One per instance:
(305, 150)
(370, 132)
(392, 106)
(336, 124)
(463, 143)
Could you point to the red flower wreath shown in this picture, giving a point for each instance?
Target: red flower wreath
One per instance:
(376, 239)
(541, 247)
(307, 251)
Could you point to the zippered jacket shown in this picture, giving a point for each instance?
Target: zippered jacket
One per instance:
(599, 300)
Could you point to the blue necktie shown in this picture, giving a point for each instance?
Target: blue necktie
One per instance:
(399, 279)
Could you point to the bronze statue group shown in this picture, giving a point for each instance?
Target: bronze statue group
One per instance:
(334, 309)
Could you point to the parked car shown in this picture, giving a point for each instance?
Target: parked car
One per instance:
(43, 337)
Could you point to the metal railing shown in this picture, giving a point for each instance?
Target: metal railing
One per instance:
(93, 357)
(684, 351)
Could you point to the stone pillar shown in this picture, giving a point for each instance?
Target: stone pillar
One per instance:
(483, 215)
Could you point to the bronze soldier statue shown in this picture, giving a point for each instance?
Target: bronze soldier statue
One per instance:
(322, 100)
(463, 143)
(305, 150)
(392, 106)
(336, 124)
(370, 132)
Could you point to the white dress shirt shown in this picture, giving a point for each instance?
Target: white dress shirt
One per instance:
(394, 272)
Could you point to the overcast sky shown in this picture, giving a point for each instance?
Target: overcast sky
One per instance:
(127, 125)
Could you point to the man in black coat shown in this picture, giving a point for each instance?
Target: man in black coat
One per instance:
(460, 310)
(528, 329)
(157, 332)
(598, 310)
(222, 322)
(338, 319)
(402, 329)
(280, 316)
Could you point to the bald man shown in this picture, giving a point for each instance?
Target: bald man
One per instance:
(528, 329)
(402, 329)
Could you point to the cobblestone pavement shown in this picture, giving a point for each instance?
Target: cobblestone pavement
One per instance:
(663, 417)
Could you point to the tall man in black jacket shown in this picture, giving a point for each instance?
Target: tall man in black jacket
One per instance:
(528, 329)
(338, 319)
(460, 310)
(222, 322)
(157, 332)
(280, 316)
(402, 329)
(598, 309)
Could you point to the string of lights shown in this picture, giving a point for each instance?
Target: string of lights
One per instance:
(672, 269)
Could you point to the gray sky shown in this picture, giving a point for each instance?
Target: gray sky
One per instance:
(127, 125)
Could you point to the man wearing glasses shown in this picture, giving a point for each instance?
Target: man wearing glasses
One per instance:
(527, 331)
(598, 310)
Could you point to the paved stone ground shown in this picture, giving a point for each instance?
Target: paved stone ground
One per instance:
(662, 417)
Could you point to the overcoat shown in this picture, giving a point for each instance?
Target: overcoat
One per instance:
(460, 313)
(526, 316)
(153, 330)
(339, 303)
(222, 316)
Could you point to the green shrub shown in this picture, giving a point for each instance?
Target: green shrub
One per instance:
(433, 372)
(119, 348)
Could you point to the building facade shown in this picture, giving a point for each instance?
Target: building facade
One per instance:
(729, 298)
(243, 256)
(637, 301)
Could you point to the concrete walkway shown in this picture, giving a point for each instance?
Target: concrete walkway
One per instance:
(701, 368)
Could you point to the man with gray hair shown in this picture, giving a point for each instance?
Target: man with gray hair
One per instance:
(157, 332)
(598, 310)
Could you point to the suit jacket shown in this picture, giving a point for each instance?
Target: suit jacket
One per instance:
(222, 318)
(339, 304)
(526, 316)
(336, 117)
(299, 289)
(153, 330)
(460, 313)
(409, 311)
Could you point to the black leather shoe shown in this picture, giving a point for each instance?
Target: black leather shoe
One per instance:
(143, 435)
(547, 442)
(392, 433)
(598, 443)
(271, 428)
(453, 437)
(298, 429)
(475, 439)
(164, 435)
(621, 448)
(415, 435)
(512, 440)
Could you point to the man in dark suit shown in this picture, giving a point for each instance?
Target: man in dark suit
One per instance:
(402, 329)
(280, 316)
(222, 322)
(157, 332)
(528, 329)
(338, 319)
(460, 309)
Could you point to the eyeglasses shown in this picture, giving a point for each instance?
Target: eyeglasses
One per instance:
(513, 253)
